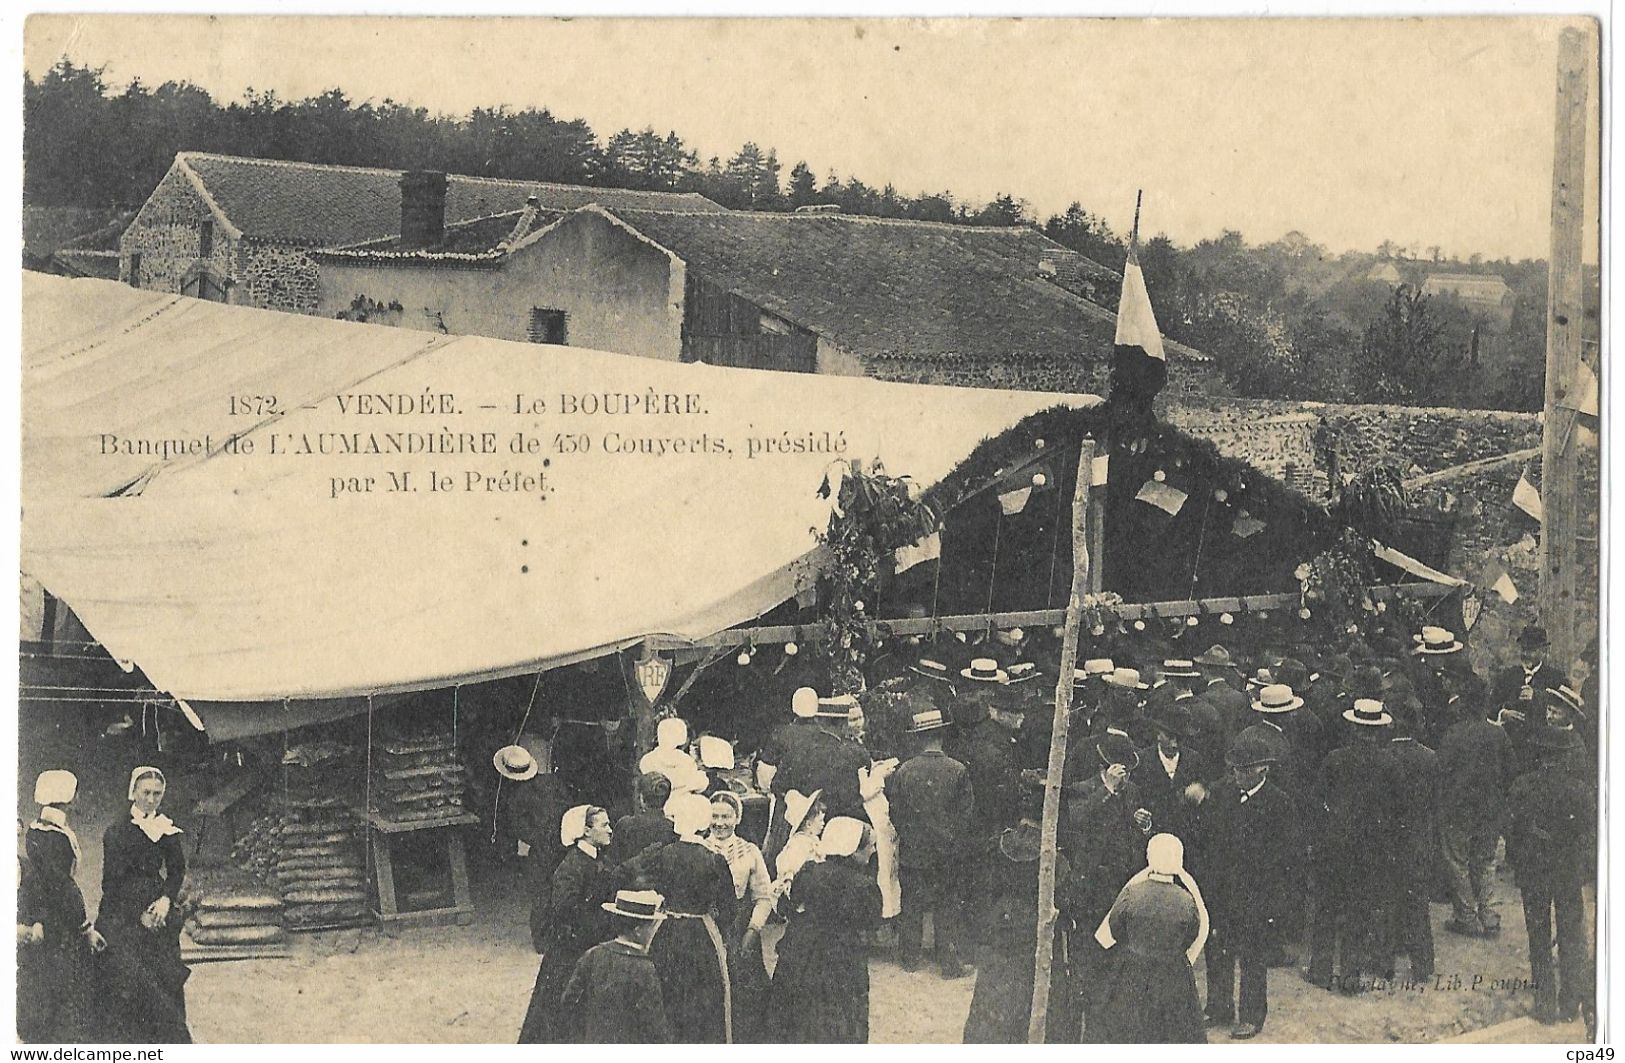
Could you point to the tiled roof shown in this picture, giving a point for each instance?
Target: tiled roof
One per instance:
(893, 289)
(324, 205)
(47, 228)
(476, 237)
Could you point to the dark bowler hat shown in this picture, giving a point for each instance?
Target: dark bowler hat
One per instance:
(1174, 718)
(1216, 657)
(1533, 637)
(1113, 748)
(1249, 751)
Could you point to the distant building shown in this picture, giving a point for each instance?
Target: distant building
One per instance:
(1386, 272)
(818, 292)
(241, 230)
(1486, 293)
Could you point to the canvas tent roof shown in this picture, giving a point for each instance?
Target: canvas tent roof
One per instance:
(238, 577)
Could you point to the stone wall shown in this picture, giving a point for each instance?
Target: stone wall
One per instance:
(1282, 445)
(1041, 372)
(167, 234)
(276, 277)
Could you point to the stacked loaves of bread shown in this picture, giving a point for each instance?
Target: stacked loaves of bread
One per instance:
(227, 906)
(312, 850)
(417, 777)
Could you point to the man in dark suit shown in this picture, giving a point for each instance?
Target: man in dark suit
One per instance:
(1220, 687)
(932, 807)
(1475, 768)
(1167, 767)
(648, 825)
(987, 748)
(1415, 844)
(1552, 845)
(1248, 861)
(1356, 800)
(1276, 721)
(1519, 690)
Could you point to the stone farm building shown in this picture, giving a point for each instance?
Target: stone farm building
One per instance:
(819, 291)
(1486, 293)
(241, 230)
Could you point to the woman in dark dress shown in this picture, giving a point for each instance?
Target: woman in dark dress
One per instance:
(53, 958)
(1153, 934)
(689, 952)
(1002, 1004)
(569, 919)
(820, 988)
(143, 869)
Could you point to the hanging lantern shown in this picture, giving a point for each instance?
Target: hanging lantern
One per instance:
(1304, 614)
(791, 649)
(1159, 476)
(857, 606)
(1098, 630)
(1263, 614)
(743, 659)
(1226, 618)
(1039, 480)
(1058, 631)
(1220, 495)
(1139, 625)
(1038, 444)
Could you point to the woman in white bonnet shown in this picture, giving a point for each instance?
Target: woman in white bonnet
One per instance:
(55, 935)
(143, 869)
(568, 918)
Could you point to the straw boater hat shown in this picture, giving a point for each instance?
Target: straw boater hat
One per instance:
(1368, 712)
(797, 805)
(1434, 640)
(926, 720)
(1277, 697)
(1249, 751)
(804, 703)
(636, 904)
(1567, 697)
(931, 669)
(1178, 669)
(516, 763)
(837, 708)
(1025, 672)
(1261, 678)
(1216, 657)
(1125, 679)
(985, 670)
(1093, 668)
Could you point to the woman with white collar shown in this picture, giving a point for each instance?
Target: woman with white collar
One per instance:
(568, 919)
(143, 869)
(1155, 930)
(690, 953)
(56, 936)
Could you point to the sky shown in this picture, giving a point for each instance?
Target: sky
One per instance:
(1421, 131)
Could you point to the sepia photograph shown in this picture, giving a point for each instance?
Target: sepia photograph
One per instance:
(811, 531)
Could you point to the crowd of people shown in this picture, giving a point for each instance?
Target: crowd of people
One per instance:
(1282, 807)
(1291, 809)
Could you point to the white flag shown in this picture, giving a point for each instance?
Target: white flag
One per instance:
(1013, 502)
(1165, 497)
(1526, 498)
(1099, 468)
(927, 549)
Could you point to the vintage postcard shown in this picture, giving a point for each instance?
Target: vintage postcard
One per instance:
(809, 531)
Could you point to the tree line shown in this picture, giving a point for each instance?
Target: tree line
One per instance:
(1283, 319)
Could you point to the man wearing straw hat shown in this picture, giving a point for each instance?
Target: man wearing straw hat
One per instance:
(614, 995)
(987, 748)
(1356, 797)
(932, 807)
(533, 799)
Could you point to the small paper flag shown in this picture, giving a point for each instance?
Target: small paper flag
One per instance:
(1099, 469)
(1165, 497)
(1498, 580)
(1584, 392)
(1013, 502)
(927, 549)
(1526, 498)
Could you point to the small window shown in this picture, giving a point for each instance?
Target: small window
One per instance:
(546, 326)
(135, 269)
(205, 238)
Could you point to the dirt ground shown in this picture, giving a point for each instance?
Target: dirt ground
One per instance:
(471, 984)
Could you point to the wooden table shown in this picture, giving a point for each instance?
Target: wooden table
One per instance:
(383, 834)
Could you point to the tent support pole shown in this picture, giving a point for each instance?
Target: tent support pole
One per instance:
(1045, 956)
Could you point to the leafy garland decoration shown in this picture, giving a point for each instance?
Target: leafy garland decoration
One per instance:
(874, 514)
(1099, 611)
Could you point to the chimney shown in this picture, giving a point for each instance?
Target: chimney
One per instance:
(423, 208)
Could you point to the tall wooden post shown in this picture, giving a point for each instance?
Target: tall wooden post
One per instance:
(1564, 316)
(1044, 958)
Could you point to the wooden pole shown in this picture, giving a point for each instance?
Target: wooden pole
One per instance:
(1045, 956)
(1564, 317)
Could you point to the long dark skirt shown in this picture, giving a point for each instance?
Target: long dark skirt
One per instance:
(55, 991)
(820, 990)
(693, 979)
(748, 971)
(1146, 1000)
(144, 983)
(544, 1020)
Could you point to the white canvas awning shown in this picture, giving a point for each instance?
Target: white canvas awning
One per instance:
(240, 577)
